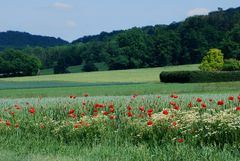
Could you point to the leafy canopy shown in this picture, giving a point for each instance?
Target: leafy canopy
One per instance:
(212, 61)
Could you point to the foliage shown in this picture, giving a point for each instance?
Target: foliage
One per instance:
(89, 66)
(231, 65)
(199, 76)
(16, 63)
(60, 67)
(174, 119)
(151, 46)
(14, 39)
(212, 61)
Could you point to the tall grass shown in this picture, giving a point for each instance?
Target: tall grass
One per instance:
(50, 132)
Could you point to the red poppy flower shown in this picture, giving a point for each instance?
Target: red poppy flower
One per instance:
(8, 123)
(96, 105)
(112, 117)
(76, 126)
(83, 103)
(12, 113)
(158, 96)
(239, 97)
(174, 96)
(149, 114)
(105, 113)
(150, 123)
(110, 106)
(112, 110)
(174, 123)
(70, 96)
(130, 114)
(176, 107)
(150, 110)
(95, 115)
(134, 96)
(237, 108)
(31, 110)
(203, 105)
(141, 108)
(190, 105)
(221, 102)
(71, 111)
(172, 103)
(129, 107)
(180, 140)
(165, 112)
(231, 98)
(199, 100)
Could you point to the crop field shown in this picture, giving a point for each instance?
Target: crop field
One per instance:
(146, 127)
(132, 75)
(118, 115)
(108, 83)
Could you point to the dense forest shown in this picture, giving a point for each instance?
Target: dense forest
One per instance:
(15, 39)
(183, 42)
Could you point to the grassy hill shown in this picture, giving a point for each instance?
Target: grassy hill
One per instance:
(131, 76)
(107, 83)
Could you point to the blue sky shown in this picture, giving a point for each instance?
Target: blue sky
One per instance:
(71, 19)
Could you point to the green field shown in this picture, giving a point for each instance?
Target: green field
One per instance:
(108, 83)
(132, 75)
(60, 141)
(75, 69)
(32, 144)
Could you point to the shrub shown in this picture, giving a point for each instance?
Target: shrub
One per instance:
(212, 61)
(231, 65)
(89, 66)
(198, 76)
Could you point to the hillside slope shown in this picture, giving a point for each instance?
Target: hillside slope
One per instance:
(15, 39)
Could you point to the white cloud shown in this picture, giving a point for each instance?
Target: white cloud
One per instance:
(71, 24)
(60, 5)
(198, 11)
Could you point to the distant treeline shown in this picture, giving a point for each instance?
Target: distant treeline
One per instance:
(19, 40)
(178, 43)
(16, 63)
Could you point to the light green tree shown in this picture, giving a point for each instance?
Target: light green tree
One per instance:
(212, 61)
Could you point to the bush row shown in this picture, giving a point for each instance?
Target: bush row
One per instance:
(198, 76)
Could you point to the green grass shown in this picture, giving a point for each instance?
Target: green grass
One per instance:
(51, 84)
(53, 151)
(132, 75)
(35, 145)
(107, 83)
(117, 90)
(28, 147)
(75, 69)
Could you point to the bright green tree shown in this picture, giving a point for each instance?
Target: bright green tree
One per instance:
(212, 61)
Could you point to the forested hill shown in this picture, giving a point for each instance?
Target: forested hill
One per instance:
(15, 39)
(183, 42)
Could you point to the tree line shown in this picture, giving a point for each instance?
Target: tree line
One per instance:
(183, 42)
(16, 63)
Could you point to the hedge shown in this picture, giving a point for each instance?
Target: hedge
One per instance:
(198, 76)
